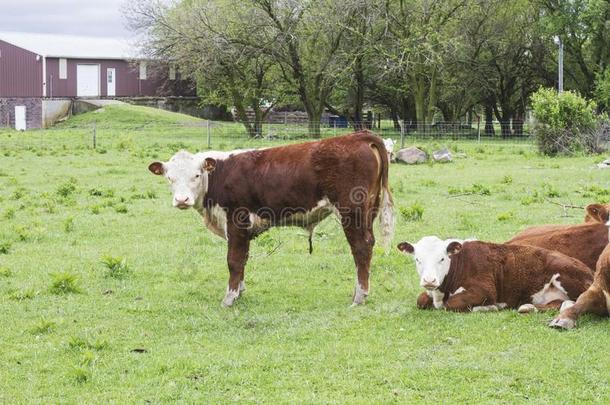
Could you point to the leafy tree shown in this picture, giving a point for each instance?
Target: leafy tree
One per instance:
(206, 39)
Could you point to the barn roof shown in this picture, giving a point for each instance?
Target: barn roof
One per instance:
(72, 46)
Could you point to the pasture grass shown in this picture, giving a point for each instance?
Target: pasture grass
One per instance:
(108, 294)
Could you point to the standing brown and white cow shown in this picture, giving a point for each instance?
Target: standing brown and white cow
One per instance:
(584, 242)
(244, 194)
(482, 276)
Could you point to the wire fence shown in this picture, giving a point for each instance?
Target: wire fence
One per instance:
(219, 135)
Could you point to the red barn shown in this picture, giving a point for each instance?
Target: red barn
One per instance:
(41, 73)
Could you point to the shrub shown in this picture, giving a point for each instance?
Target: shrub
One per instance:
(22, 295)
(117, 266)
(64, 283)
(69, 224)
(43, 326)
(67, 188)
(413, 213)
(5, 247)
(5, 272)
(564, 122)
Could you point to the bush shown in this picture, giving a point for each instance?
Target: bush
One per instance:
(64, 283)
(565, 122)
(413, 213)
(117, 266)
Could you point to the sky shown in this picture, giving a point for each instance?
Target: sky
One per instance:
(77, 17)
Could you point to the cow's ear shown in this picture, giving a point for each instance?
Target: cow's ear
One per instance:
(596, 213)
(209, 164)
(454, 248)
(406, 247)
(157, 168)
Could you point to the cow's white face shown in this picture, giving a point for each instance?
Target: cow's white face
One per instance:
(432, 259)
(188, 177)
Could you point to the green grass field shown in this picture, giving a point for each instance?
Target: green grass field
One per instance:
(108, 294)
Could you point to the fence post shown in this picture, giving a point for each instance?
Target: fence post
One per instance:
(479, 129)
(402, 134)
(94, 136)
(209, 134)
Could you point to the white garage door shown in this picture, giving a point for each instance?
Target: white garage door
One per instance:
(88, 80)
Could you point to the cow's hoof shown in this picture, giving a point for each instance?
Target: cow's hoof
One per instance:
(485, 308)
(360, 295)
(566, 304)
(230, 297)
(562, 323)
(527, 308)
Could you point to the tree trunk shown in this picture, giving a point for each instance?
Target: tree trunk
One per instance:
(518, 125)
(395, 120)
(489, 120)
(313, 124)
(242, 117)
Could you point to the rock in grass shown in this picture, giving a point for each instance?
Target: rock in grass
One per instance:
(411, 156)
(442, 156)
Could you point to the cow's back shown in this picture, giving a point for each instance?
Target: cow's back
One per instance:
(584, 242)
(276, 180)
(516, 272)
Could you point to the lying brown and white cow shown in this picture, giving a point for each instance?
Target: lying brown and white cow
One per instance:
(584, 242)
(482, 276)
(596, 299)
(244, 194)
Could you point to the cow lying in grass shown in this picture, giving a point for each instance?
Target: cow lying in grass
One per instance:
(481, 276)
(584, 242)
(244, 194)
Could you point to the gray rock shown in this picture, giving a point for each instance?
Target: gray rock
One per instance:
(442, 155)
(411, 156)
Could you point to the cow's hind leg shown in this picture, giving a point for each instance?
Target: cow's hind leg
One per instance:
(361, 241)
(237, 256)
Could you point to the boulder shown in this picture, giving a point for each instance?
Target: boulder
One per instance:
(605, 164)
(442, 155)
(411, 156)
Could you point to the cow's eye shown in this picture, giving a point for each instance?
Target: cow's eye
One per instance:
(417, 260)
(197, 176)
(442, 260)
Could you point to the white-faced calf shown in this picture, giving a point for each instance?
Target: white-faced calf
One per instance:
(243, 194)
(480, 276)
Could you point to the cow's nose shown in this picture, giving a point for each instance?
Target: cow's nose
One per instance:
(429, 283)
(180, 200)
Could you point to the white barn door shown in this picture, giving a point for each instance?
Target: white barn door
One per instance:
(87, 80)
(111, 82)
(20, 121)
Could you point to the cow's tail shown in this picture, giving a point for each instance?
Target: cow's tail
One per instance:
(386, 208)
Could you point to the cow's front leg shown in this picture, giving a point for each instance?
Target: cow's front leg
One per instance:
(466, 301)
(592, 300)
(237, 256)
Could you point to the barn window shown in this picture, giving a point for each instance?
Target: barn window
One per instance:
(63, 68)
(142, 70)
(172, 72)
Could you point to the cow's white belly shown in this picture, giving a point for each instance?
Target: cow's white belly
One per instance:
(310, 218)
(215, 219)
(550, 292)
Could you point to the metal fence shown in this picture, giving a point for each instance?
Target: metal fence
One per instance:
(199, 135)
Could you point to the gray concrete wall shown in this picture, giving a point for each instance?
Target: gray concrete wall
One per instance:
(55, 110)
